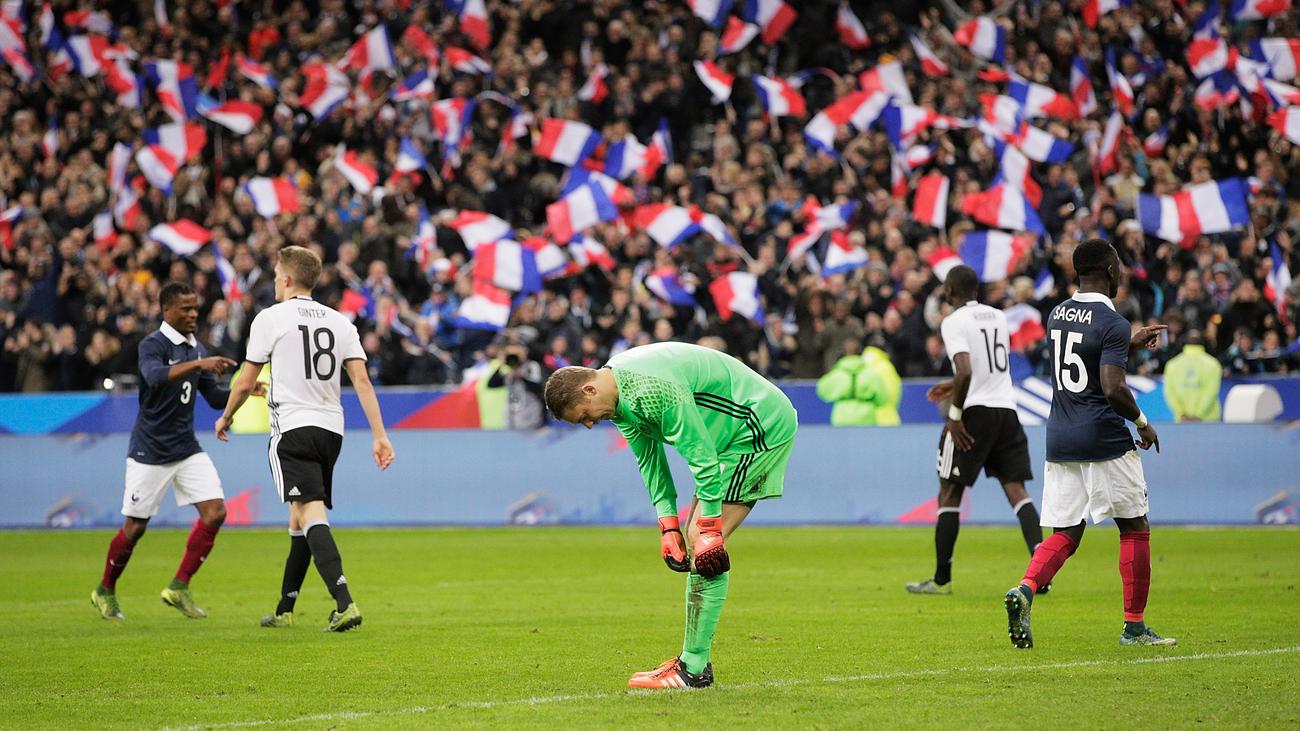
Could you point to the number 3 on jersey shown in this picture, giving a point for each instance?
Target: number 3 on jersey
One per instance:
(323, 339)
(1070, 371)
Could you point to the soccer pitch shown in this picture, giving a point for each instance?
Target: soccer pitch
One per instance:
(542, 626)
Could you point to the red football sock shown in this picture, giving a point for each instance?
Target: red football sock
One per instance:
(119, 552)
(1135, 569)
(1048, 559)
(202, 536)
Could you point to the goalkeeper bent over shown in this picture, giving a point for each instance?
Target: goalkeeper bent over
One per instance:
(734, 429)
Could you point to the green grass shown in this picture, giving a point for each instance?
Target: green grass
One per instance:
(532, 627)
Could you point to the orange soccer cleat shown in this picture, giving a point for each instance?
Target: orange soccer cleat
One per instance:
(672, 674)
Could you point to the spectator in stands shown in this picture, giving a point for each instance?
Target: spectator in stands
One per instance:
(523, 379)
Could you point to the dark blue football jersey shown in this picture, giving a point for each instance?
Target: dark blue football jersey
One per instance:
(164, 428)
(1085, 333)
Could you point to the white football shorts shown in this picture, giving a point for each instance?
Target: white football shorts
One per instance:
(1114, 488)
(194, 478)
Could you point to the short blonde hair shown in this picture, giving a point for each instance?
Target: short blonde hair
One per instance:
(301, 264)
(564, 388)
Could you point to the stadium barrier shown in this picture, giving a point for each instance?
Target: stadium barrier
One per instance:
(1207, 473)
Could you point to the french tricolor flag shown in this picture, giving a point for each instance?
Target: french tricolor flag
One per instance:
(984, 37)
(666, 285)
(324, 89)
(1014, 170)
(779, 98)
(1279, 94)
(1154, 144)
(1206, 208)
(550, 258)
(118, 161)
(1218, 89)
(1287, 122)
(918, 155)
(713, 12)
(20, 64)
(476, 228)
(625, 157)
(853, 34)
(371, 52)
(473, 21)
(1025, 323)
(930, 206)
(409, 157)
(773, 16)
(451, 119)
(507, 264)
(227, 275)
(1044, 284)
(902, 122)
(566, 142)
(183, 237)
(417, 86)
(167, 148)
(713, 226)
(176, 87)
(1042, 146)
(717, 81)
(127, 209)
(859, 108)
(1037, 100)
(992, 254)
(87, 53)
(659, 152)
(579, 210)
(50, 140)
(842, 255)
(1120, 91)
(619, 194)
(831, 216)
(931, 64)
(7, 220)
(1108, 149)
(158, 166)
(1094, 9)
(668, 225)
(1002, 117)
(256, 73)
(595, 89)
(1207, 53)
(588, 252)
(1085, 100)
(941, 261)
(1257, 9)
(359, 174)
(123, 82)
(487, 308)
(1002, 206)
(272, 196)
(889, 78)
(736, 293)
(737, 35)
(104, 232)
(800, 243)
(422, 43)
(1279, 277)
(237, 116)
(60, 64)
(423, 245)
(467, 63)
(1281, 54)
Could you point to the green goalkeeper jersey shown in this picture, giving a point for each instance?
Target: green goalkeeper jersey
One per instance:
(702, 402)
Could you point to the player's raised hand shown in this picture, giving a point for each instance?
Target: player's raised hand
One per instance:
(672, 544)
(382, 449)
(223, 428)
(216, 365)
(711, 557)
(1148, 437)
(1147, 337)
(939, 391)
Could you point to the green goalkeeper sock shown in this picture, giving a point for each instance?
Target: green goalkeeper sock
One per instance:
(704, 600)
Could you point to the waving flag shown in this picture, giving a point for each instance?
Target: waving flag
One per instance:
(860, 108)
(1108, 150)
(658, 152)
(123, 82)
(237, 116)
(918, 155)
(1257, 9)
(1037, 100)
(579, 210)
(668, 225)
(737, 35)
(451, 118)
(51, 37)
(371, 52)
(424, 244)
(1002, 118)
(779, 98)
(550, 258)
(1153, 145)
(1281, 54)
(887, 77)
(931, 64)
(416, 87)
(409, 157)
(21, 65)
(1002, 207)
(183, 237)
(853, 34)
(104, 233)
(1042, 146)
(566, 142)
(127, 209)
(422, 43)
(1025, 323)
(7, 220)
(666, 285)
(487, 308)
(467, 63)
(713, 12)
(1287, 122)
(176, 87)
(842, 255)
(50, 140)
(1279, 277)
(1207, 208)
(476, 228)
(930, 206)
(595, 89)
(588, 252)
(941, 261)
(86, 53)
(736, 293)
(166, 149)
(1279, 94)
(828, 217)
(773, 16)
(1207, 53)
(508, 265)
(256, 73)
(903, 122)
(324, 89)
(1217, 90)
(227, 275)
(1044, 284)
(1085, 100)
(473, 21)
(993, 255)
(984, 37)
(1120, 91)
(717, 81)
(272, 196)
(359, 174)
(800, 243)
(1094, 9)
(11, 35)
(1014, 170)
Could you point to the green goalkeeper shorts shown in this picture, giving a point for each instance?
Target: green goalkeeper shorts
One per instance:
(755, 476)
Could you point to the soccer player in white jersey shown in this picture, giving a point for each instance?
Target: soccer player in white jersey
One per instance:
(982, 430)
(308, 345)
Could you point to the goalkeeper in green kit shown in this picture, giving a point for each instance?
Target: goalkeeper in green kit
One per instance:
(735, 431)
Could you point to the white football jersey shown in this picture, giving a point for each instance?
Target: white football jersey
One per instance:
(306, 344)
(982, 332)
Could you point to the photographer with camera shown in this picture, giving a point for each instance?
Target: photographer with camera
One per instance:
(523, 379)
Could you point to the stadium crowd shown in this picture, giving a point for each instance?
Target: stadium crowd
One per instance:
(77, 294)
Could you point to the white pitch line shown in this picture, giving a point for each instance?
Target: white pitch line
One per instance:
(545, 700)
